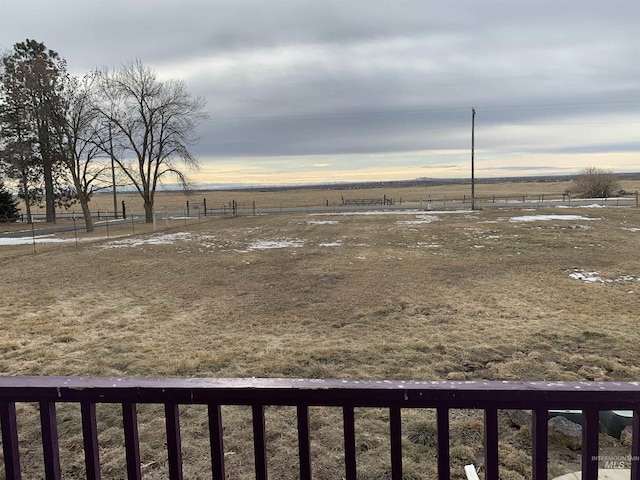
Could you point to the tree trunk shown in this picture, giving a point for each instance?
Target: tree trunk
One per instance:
(88, 221)
(27, 199)
(47, 167)
(148, 211)
(48, 192)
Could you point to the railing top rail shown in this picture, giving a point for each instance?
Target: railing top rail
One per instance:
(321, 392)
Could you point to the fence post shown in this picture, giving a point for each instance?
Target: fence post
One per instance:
(204, 204)
(75, 230)
(33, 236)
(124, 210)
(254, 208)
(187, 208)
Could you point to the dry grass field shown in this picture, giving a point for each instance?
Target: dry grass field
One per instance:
(548, 294)
(176, 201)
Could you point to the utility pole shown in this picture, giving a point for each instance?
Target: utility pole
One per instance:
(473, 179)
(113, 175)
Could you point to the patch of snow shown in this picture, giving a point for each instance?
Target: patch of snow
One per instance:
(38, 239)
(593, 277)
(332, 244)
(593, 205)
(165, 239)
(590, 277)
(422, 219)
(428, 245)
(632, 229)
(322, 222)
(391, 212)
(269, 244)
(535, 218)
(116, 220)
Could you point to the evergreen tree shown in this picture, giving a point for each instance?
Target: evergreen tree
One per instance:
(8, 206)
(31, 82)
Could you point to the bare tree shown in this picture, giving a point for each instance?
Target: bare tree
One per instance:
(79, 134)
(152, 125)
(594, 182)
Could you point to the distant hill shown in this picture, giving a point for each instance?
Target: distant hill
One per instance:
(417, 182)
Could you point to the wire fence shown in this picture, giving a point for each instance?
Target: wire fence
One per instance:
(70, 227)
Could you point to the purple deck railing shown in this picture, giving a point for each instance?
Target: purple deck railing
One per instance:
(540, 397)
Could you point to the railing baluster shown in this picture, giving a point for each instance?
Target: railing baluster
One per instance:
(491, 443)
(590, 430)
(217, 442)
(305, 394)
(131, 442)
(444, 467)
(304, 444)
(635, 446)
(348, 417)
(174, 447)
(395, 420)
(90, 434)
(540, 443)
(50, 445)
(9, 426)
(259, 442)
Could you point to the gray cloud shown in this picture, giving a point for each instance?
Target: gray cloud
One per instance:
(341, 77)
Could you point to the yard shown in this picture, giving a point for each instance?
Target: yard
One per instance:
(547, 294)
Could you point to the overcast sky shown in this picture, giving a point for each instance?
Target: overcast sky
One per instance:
(303, 91)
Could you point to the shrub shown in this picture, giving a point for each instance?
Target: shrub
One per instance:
(593, 182)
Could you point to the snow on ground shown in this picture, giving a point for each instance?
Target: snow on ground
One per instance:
(428, 245)
(594, 277)
(165, 239)
(591, 277)
(420, 220)
(42, 239)
(535, 218)
(631, 229)
(392, 212)
(322, 222)
(269, 244)
(331, 244)
(594, 205)
(171, 238)
(38, 239)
